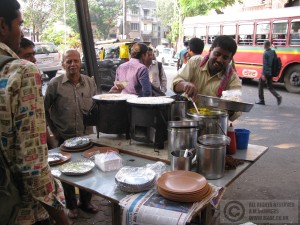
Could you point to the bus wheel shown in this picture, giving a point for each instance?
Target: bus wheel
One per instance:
(292, 79)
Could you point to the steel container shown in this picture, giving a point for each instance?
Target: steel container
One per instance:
(211, 153)
(214, 123)
(182, 135)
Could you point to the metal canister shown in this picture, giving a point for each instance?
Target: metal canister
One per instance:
(211, 153)
(182, 135)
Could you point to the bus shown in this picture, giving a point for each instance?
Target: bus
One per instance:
(250, 29)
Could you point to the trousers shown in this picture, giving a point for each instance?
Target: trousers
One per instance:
(269, 83)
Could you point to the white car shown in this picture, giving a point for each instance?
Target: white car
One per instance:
(166, 56)
(47, 58)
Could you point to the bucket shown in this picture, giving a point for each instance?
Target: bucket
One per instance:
(242, 138)
(211, 153)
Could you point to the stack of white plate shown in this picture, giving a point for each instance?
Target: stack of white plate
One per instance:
(135, 179)
(183, 186)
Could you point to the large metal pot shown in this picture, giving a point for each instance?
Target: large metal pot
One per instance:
(112, 116)
(213, 121)
(211, 153)
(182, 135)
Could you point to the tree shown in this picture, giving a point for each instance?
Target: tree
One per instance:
(173, 12)
(37, 14)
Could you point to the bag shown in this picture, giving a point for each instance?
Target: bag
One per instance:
(156, 91)
(9, 194)
(276, 65)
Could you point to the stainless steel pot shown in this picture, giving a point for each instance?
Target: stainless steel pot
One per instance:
(182, 135)
(214, 122)
(211, 153)
(178, 110)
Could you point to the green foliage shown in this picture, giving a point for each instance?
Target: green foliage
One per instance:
(196, 7)
(60, 39)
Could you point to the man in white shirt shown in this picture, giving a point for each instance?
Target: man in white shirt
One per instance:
(157, 74)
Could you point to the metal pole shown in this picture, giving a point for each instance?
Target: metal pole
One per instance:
(124, 19)
(87, 40)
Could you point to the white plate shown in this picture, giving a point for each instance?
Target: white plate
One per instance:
(79, 167)
(151, 100)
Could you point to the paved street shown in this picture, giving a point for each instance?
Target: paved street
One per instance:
(275, 176)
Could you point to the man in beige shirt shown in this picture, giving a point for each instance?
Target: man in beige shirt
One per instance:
(210, 75)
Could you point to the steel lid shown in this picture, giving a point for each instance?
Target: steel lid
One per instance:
(214, 139)
(183, 124)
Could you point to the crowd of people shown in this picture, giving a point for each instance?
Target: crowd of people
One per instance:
(25, 114)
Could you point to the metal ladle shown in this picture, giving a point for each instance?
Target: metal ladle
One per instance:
(194, 104)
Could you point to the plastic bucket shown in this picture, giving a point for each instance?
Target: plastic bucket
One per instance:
(242, 138)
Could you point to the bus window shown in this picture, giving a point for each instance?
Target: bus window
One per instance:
(295, 32)
(201, 33)
(245, 32)
(230, 30)
(279, 32)
(262, 33)
(213, 31)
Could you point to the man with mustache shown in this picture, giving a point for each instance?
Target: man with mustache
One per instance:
(212, 74)
(67, 97)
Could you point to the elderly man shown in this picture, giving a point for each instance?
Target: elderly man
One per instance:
(67, 98)
(212, 74)
(133, 75)
(23, 132)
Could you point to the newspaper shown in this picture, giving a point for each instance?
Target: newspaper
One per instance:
(150, 208)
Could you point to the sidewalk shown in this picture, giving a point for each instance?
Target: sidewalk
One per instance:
(103, 217)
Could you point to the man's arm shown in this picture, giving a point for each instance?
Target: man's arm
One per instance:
(143, 77)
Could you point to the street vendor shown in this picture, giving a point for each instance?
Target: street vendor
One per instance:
(210, 75)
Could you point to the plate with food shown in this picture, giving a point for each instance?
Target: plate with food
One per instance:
(76, 142)
(79, 167)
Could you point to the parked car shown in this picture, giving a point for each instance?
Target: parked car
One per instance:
(47, 58)
(166, 56)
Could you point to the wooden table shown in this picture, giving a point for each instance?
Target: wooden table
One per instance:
(103, 183)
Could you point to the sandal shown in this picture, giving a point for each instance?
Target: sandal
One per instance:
(73, 213)
(89, 208)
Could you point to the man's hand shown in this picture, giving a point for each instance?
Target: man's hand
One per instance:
(263, 77)
(190, 89)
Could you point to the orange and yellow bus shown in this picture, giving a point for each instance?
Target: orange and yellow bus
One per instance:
(250, 29)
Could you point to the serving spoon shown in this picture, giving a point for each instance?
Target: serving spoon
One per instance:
(194, 104)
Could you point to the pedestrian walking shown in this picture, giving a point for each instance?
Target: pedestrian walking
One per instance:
(266, 77)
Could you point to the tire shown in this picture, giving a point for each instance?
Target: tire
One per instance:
(51, 74)
(292, 79)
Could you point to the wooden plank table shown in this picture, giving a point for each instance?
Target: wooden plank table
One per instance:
(103, 183)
